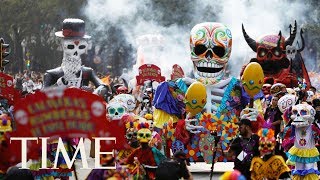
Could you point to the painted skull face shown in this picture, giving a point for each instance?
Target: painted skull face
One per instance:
(266, 145)
(74, 47)
(302, 115)
(116, 110)
(128, 100)
(177, 146)
(210, 45)
(266, 89)
(144, 135)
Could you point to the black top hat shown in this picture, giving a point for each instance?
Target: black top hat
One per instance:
(73, 28)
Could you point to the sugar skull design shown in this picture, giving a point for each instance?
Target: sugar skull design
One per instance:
(302, 115)
(210, 45)
(116, 110)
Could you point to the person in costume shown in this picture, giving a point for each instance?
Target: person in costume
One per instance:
(71, 72)
(304, 153)
(244, 147)
(146, 156)
(174, 169)
(268, 165)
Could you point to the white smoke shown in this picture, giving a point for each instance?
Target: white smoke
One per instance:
(141, 17)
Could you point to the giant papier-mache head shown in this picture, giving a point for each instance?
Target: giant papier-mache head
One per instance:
(210, 45)
(302, 115)
(271, 49)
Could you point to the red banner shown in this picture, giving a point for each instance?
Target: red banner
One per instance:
(7, 90)
(149, 72)
(177, 72)
(61, 112)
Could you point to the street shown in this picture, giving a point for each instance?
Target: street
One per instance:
(199, 170)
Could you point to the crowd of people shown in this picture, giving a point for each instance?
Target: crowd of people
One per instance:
(266, 122)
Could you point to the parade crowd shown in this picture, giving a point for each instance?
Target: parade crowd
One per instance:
(266, 121)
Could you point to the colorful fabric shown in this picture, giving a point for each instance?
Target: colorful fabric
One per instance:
(306, 177)
(303, 155)
(305, 172)
(164, 100)
(161, 117)
(270, 169)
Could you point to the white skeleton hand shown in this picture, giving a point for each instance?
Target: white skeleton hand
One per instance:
(249, 113)
(192, 128)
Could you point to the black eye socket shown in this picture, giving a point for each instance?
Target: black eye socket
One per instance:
(148, 135)
(70, 46)
(200, 49)
(82, 46)
(219, 51)
(277, 52)
(262, 52)
(294, 112)
(269, 145)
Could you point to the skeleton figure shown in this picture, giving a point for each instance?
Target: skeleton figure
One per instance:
(210, 45)
(71, 62)
(71, 72)
(304, 142)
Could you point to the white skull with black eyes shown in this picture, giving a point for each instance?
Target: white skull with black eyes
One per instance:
(71, 62)
(302, 115)
(74, 47)
(291, 52)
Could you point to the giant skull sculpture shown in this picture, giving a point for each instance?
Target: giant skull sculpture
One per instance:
(302, 115)
(210, 45)
(71, 62)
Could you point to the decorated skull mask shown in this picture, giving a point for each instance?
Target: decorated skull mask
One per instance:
(266, 89)
(210, 45)
(128, 100)
(144, 135)
(177, 146)
(116, 110)
(267, 141)
(302, 115)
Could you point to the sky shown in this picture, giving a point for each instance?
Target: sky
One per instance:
(166, 43)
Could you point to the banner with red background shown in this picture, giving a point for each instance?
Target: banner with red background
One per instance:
(149, 72)
(7, 90)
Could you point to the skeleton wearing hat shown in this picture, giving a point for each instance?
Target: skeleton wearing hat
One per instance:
(71, 72)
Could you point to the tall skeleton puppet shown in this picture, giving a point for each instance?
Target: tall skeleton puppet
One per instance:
(71, 72)
(210, 45)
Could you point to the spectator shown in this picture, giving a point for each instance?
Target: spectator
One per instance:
(244, 147)
(273, 115)
(175, 168)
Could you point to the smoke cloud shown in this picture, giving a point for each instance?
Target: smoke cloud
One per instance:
(174, 20)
